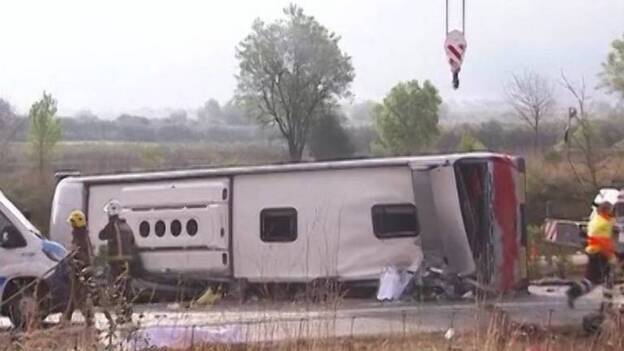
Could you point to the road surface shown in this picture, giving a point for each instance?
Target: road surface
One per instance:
(269, 322)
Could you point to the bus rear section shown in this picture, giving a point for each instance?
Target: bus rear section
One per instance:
(478, 205)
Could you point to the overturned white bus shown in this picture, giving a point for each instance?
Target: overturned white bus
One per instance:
(295, 223)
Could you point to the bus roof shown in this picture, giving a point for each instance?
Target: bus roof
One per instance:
(281, 168)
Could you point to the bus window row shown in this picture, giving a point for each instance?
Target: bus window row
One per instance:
(159, 228)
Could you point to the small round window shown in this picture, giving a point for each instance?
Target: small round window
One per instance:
(160, 228)
(144, 229)
(191, 227)
(176, 228)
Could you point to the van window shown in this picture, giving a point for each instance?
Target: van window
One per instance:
(4, 222)
(18, 215)
(9, 236)
(278, 224)
(395, 220)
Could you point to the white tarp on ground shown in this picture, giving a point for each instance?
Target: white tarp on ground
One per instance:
(184, 337)
(392, 283)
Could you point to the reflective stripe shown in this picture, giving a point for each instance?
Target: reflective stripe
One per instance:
(586, 285)
(600, 226)
(600, 244)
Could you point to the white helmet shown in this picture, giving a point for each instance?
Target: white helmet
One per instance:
(112, 208)
(606, 195)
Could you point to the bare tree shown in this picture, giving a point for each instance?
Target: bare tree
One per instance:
(531, 97)
(581, 136)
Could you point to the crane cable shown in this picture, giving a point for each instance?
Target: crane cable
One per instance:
(463, 16)
(455, 44)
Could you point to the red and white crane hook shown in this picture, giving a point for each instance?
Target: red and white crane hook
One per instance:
(455, 44)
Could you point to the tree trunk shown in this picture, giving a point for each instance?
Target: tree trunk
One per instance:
(536, 138)
(41, 160)
(295, 152)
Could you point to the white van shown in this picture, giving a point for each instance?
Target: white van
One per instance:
(296, 223)
(30, 273)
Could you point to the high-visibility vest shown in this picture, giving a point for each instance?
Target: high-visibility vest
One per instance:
(600, 236)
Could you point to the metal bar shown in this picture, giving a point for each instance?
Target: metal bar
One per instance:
(464, 16)
(447, 11)
(145, 249)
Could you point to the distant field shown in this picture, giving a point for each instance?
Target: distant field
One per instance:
(32, 191)
(108, 156)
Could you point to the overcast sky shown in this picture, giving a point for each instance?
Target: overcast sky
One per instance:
(114, 56)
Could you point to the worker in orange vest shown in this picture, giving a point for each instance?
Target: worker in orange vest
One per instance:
(600, 249)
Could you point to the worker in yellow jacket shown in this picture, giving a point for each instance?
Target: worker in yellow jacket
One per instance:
(600, 249)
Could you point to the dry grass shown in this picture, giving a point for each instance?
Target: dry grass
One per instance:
(56, 338)
(493, 338)
(557, 189)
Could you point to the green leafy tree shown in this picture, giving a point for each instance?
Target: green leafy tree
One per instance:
(329, 139)
(613, 69)
(290, 70)
(469, 143)
(45, 129)
(407, 120)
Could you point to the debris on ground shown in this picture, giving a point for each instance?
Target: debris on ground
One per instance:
(210, 297)
(174, 306)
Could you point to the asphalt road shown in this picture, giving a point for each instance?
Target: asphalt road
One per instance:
(262, 322)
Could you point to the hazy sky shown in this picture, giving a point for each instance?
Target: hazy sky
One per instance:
(113, 56)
